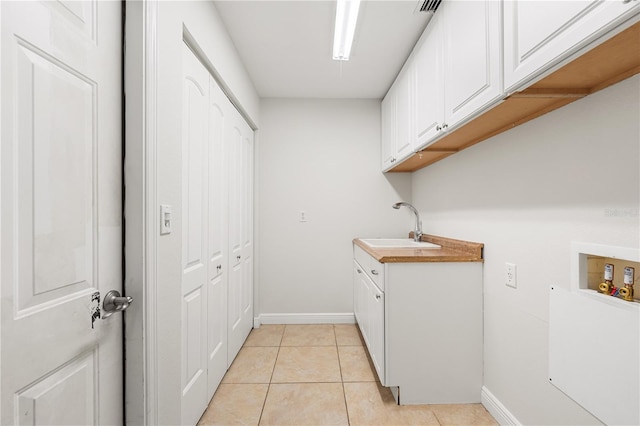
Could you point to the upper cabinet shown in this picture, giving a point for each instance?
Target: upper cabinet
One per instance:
(483, 67)
(472, 53)
(428, 75)
(397, 106)
(454, 72)
(539, 34)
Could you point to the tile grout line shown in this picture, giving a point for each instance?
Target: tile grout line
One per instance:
(264, 403)
(344, 393)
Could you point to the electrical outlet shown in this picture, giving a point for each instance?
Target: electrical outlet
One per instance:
(303, 216)
(510, 277)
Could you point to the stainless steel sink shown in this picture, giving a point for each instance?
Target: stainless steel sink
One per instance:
(398, 243)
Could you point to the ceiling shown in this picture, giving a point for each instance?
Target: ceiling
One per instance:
(286, 46)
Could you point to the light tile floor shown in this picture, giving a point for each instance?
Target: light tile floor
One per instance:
(317, 375)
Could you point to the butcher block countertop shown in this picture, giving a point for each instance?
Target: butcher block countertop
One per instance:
(450, 251)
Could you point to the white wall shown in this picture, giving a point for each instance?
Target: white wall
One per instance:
(321, 156)
(571, 175)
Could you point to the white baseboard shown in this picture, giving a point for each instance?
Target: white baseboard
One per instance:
(346, 318)
(496, 409)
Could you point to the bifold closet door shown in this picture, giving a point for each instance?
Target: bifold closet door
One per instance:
(194, 237)
(219, 108)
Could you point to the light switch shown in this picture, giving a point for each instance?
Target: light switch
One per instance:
(165, 219)
(510, 277)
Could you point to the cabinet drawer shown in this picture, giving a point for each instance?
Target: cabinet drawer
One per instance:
(374, 269)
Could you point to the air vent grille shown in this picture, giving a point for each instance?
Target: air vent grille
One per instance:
(429, 5)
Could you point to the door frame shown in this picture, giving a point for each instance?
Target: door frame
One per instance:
(141, 217)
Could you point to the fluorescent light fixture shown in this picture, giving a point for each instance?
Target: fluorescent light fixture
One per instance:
(346, 18)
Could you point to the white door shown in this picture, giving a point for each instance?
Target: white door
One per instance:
(237, 331)
(194, 236)
(247, 230)
(60, 210)
(219, 107)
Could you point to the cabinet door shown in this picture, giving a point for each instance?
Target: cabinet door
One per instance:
(357, 292)
(540, 34)
(376, 330)
(429, 85)
(388, 117)
(363, 288)
(404, 119)
(472, 54)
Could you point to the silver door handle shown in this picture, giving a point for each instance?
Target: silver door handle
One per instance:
(113, 302)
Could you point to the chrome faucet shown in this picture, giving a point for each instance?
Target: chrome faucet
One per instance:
(417, 233)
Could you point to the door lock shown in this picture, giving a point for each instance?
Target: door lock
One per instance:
(113, 302)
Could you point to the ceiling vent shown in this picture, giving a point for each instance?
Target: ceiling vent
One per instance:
(428, 5)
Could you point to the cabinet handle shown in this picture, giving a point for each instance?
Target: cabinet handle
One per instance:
(359, 271)
(444, 126)
(378, 296)
(438, 128)
(238, 257)
(219, 268)
(374, 272)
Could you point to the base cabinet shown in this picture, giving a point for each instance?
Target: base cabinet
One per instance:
(369, 311)
(423, 327)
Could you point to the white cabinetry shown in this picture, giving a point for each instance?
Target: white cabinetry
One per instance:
(540, 34)
(369, 312)
(458, 67)
(422, 324)
(217, 241)
(397, 107)
(472, 51)
(429, 84)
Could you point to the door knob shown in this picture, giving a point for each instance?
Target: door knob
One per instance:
(113, 302)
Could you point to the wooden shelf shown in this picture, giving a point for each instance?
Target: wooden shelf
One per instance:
(611, 62)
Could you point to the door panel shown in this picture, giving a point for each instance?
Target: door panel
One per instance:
(217, 270)
(234, 144)
(55, 186)
(240, 143)
(194, 236)
(74, 381)
(247, 229)
(60, 212)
